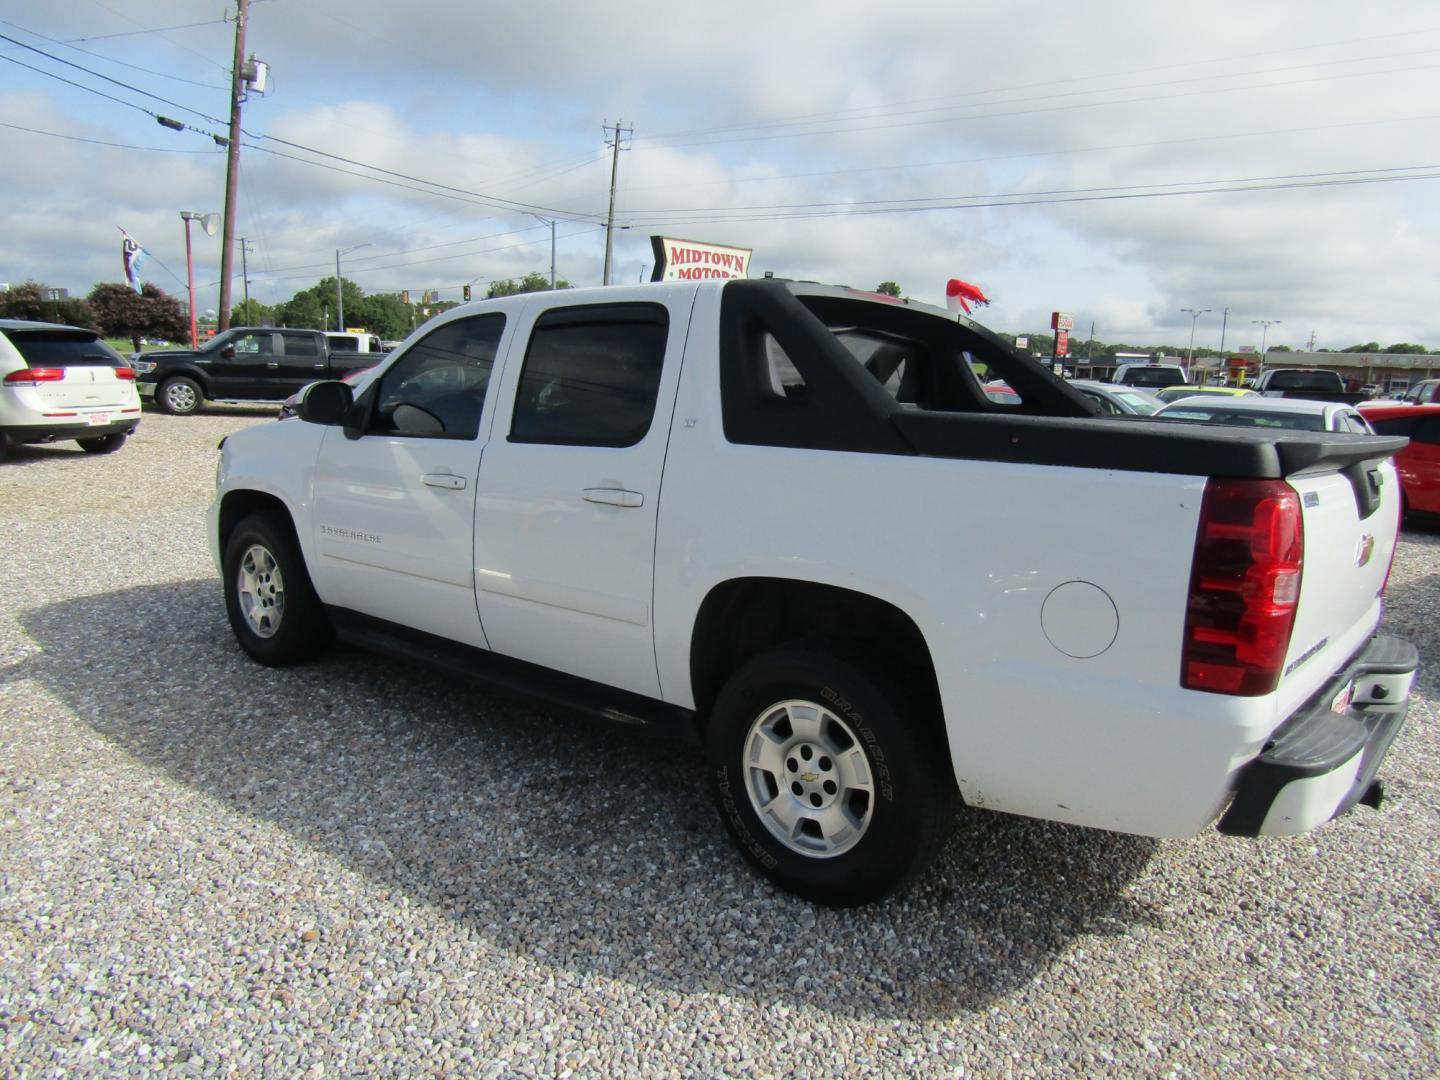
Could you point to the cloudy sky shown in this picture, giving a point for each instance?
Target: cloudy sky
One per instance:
(1120, 161)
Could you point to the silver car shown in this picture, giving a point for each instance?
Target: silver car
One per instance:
(1118, 400)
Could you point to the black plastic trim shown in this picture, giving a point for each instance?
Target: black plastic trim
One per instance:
(29, 435)
(481, 666)
(1316, 740)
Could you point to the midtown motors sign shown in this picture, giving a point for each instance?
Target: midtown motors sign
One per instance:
(693, 260)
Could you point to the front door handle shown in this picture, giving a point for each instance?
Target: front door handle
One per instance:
(444, 480)
(273, 363)
(614, 497)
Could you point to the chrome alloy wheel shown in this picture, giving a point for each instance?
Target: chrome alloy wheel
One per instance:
(808, 778)
(180, 397)
(261, 590)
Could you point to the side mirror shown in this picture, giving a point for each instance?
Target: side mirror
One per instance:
(227, 352)
(326, 403)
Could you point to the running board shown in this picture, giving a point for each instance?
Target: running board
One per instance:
(489, 669)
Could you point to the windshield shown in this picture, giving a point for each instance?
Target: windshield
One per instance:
(1140, 404)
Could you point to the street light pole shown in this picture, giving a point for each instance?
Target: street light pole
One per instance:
(245, 272)
(1194, 314)
(207, 222)
(339, 293)
(1264, 334)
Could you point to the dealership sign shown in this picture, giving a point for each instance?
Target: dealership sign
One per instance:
(694, 260)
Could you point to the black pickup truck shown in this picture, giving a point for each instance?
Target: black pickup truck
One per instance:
(243, 364)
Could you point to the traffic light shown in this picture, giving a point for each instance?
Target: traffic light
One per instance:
(466, 292)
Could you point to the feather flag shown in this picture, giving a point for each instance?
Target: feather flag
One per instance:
(133, 255)
(961, 294)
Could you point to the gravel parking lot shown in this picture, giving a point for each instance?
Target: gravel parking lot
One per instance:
(207, 867)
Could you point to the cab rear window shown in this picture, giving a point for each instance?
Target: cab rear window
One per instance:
(64, 348)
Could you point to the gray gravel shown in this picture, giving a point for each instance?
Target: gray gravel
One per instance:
(210, 868)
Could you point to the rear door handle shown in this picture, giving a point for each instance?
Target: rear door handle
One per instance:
(614, 497)
(273, 363)
(444, 480)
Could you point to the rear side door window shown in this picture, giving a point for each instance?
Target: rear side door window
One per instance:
(437, 389)
(591, 376)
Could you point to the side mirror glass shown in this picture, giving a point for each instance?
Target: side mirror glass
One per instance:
(227, 352)
(326, 403)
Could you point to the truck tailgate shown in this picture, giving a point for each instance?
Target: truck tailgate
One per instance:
(1351, 525)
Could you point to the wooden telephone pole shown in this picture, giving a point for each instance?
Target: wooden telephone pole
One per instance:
(614, 171)
(232, 166)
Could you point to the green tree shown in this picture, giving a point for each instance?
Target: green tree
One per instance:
(28, 300)
(1369, 346)
(1405, 347)
(250, 313)
(888, 288)
(385, 314)
(314, 308)
(122, 312)
(531, 282)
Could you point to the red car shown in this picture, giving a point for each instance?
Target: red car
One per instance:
(1419, 463)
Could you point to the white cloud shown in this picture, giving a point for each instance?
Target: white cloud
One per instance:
(1028, 97)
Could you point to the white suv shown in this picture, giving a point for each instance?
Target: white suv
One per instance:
(61, 382)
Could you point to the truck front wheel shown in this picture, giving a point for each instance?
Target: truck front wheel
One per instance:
(273, 609)
(180, 396)
(831, 782)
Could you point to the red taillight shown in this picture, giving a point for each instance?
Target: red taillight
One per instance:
(125, 373)
(1244, 587)
(30, 376)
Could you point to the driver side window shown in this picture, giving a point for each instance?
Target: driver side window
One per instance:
(437, 389)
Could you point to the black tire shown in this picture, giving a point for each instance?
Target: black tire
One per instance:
(902, 820)
(104, 444)
(179, 396)
(262, 565)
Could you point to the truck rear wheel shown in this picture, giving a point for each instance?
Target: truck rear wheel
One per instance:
(180, 396)
(274, 611)
(832, 783)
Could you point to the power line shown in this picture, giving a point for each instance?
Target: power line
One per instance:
(102, 142)
(109, 59)
(1002, 201)
(493, 200)
(1049, 109)
(136, 33)
(1029, 194)
(107, 78)
(883, 110)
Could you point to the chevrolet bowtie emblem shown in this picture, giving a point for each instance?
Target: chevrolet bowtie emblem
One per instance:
(809, 777)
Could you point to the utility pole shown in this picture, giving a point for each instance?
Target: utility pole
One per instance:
(1224, 318)
(614, 171)
(245, 272)
(1311, 347)
(232, 161)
